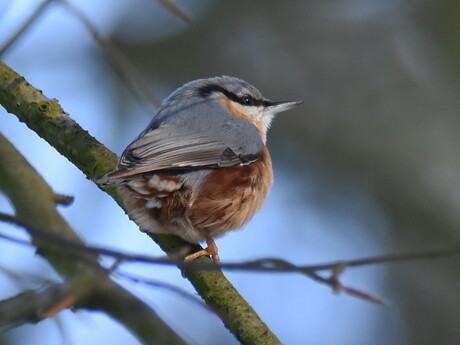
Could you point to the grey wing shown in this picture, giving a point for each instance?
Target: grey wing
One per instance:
(205, 136)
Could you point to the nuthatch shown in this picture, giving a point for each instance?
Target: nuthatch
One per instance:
(201, 167)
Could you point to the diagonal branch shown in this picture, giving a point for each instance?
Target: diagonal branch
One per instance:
(120, 63)
(25, 26)
(48, 120)
(170, 6)
(33, 200)
(32, 306)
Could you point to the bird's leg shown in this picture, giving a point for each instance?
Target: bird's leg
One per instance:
(211, 251)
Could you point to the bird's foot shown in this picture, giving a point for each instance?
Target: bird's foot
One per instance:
(211, 251)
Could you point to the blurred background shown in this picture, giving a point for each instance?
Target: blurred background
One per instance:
(368, 165)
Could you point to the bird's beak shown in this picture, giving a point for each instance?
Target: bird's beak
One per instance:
(278, 107)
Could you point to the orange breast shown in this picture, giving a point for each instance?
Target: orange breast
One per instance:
(231, 196)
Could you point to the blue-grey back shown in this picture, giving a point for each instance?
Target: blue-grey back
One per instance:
(196, 132)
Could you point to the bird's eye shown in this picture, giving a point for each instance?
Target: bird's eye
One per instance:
(247, 100)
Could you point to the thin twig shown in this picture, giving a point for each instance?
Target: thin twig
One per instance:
(170, 6)
(120, 63)
(271, 265)
(62, 199)
(33, 17)
(46, 302)
(263, 265)
(162, 285)
(393, 257)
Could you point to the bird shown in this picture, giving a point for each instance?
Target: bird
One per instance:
(201, 167)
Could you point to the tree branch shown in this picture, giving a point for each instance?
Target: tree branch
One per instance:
(32, 306)
(25, 26)
(119, 62)
(268, 265)
(48, 120)
(34, 201)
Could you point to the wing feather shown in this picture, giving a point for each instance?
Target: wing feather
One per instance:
(199, 138)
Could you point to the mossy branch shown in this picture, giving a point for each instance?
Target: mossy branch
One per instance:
(49, 121)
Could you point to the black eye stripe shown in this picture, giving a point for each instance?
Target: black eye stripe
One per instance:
(248, 100)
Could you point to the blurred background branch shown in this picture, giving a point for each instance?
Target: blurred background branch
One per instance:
(120, 63)
(34, 202)
(25, 26)
(33, 306)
